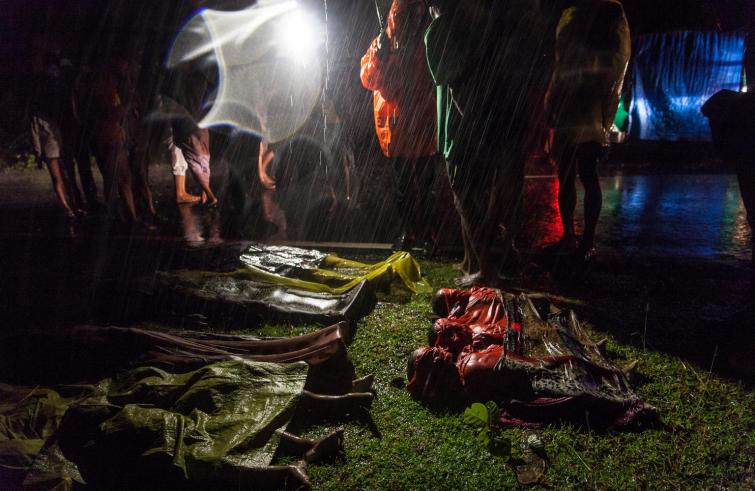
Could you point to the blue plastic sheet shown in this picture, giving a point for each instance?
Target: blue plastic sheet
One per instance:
(674, 74)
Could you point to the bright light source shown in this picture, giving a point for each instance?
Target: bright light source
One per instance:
(298, 36)
(269, 60)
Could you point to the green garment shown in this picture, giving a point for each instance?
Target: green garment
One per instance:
(445, 59)
(213, 423)
(487, 69)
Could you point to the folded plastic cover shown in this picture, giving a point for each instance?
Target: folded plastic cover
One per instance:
(238, 301)
(527, 355)
(216, 422)
(89, 353)
(315, 272)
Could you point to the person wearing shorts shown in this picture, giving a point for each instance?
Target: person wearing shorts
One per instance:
(47, 139)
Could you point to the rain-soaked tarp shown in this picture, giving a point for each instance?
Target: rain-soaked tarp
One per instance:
(297, 270)
(327, 273)
(278, 284)
(536, 362)
(674, 74)
(149, 428)
(88, 353)
(237, 300)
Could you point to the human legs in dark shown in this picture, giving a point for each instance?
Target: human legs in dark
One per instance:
(413, 196)
(469, 264)
(580, 159)
(196, 150)
(82, 153)
(567, 196)
(588, 157)
(313, 450)
(113, 163)
(506, 209)
(139, 167)
(473, 189)
(59, 184)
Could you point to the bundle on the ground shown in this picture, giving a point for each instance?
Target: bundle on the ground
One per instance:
(279, 284)
(536, 363)
(151, 428)
(89, 353)
(314, 271)
(190, 409)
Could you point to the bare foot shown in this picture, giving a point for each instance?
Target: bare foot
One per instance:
(476, 279)
(185, 199)
(463, 266)
(327, 447)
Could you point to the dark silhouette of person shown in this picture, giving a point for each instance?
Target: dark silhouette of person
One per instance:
(592, 53)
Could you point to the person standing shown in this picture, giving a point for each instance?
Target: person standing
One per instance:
(75, 127)
(592, 53)
(48, 139)
(484, 59)
(190, 88)
(732, 122)
(110, 138)
(394, 69)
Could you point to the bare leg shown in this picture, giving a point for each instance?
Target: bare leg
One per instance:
(106, 165)
(470, 264)
(196, 151)
(567, 195)
(313, 450)
(478, 234)
(68, 172)
(84, 166)
(588, 174)
(123, 177)
(182, 197)
(179, 166)
(58, 185)
(141, 172)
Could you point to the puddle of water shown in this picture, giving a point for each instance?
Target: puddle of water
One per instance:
(668, 215)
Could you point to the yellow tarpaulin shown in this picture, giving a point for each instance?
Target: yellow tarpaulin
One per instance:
(400, 273)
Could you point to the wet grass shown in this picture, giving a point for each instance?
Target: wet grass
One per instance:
(708, 440)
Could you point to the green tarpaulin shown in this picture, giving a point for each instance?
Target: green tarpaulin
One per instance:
(221, 422)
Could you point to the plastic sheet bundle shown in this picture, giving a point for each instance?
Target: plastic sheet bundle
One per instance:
(278, 284)
(218, 422)
(534, 361)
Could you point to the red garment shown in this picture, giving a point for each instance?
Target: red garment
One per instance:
(476, 318)
(538, 368)
(403, 91)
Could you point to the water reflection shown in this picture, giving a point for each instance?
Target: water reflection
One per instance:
(683, 215)
(199, 226)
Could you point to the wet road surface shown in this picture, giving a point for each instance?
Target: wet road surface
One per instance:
(652, 215)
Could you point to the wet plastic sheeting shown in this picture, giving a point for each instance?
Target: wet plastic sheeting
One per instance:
(527, 355)
(674, 74)
(235, 302)
(218, 421)
(280, 284)
(300, 268)
(28, 417)
(87, 353)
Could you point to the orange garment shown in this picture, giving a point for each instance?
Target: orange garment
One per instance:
(403, 91)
